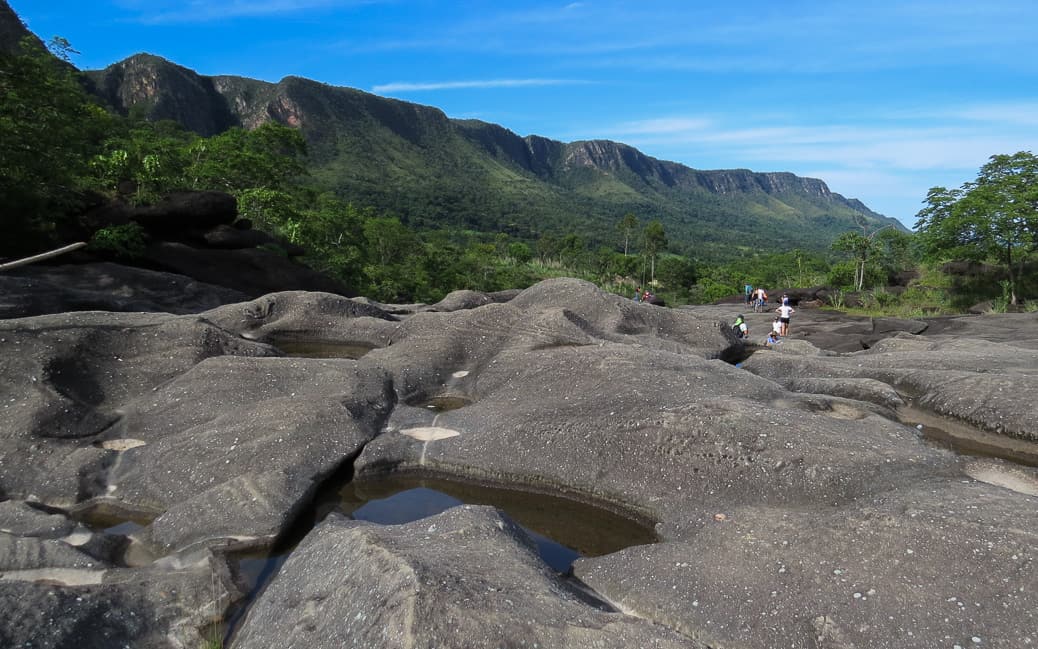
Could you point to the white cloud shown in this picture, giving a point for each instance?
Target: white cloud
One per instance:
(197, 11)
(477, 83)
(665, 126)
(889, 161)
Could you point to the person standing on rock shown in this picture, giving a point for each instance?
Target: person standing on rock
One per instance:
(785, 311)
(748, 290)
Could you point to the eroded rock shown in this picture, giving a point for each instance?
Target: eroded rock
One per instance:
(467, 578)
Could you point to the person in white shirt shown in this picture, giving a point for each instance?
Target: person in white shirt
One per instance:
(776, 326)
(785, 311)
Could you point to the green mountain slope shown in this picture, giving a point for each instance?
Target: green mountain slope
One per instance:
(434, 171)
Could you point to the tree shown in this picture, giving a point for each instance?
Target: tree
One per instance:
(860, 248)
(654, 240)
(49, 128)
(677, 273)
(892, 251)
(627, 227)
(993, 218)
(270, 156)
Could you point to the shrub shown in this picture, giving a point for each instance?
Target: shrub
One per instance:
(126, 241)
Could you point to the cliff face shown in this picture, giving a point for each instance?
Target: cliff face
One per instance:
(416, 162)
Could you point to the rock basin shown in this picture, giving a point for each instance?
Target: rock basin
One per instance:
(792, 506)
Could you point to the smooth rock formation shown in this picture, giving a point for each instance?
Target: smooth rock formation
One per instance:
(104, 286)
(467, 578)
(792, 505)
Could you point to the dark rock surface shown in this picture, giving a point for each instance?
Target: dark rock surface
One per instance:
(252, 271)
(467, 578)
(287, 423)
(62, 585)
(301, 315)
(187, 211)
(793, 507)
(63, 378)
(39, 290)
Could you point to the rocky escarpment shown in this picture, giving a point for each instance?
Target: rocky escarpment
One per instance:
(388, 153)
(168, 90)
(792, 506)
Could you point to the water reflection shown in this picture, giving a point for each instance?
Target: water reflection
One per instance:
(563, 529)
(967, 440)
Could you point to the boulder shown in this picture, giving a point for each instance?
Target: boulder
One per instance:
(62, 586)
(150, 608)
(63, 378)
(252, 271)
(184, 212)
(466, 578)
(230, 237)
(885, 572)
(37, 290)
(287, 423)
(303, 315)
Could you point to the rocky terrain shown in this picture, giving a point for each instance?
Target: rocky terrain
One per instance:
(795, 500)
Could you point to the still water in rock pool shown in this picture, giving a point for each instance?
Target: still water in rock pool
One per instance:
(563, 530)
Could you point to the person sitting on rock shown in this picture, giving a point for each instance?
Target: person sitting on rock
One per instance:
(740, 328)
(772, 340)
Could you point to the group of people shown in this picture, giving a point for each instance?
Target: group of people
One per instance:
(642, 296)
(779, 327)
(757, 297)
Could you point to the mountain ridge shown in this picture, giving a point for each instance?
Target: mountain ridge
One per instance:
(433, 171)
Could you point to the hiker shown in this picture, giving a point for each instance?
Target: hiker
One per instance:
(785, 311)
(749, 290)
(760, 298)
(638, 294)
(785, 300)
(776, 326)
(772, 340)
(740, 328)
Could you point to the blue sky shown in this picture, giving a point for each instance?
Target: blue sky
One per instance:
(881, 100)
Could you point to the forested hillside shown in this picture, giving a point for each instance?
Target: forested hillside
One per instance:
(433, 171)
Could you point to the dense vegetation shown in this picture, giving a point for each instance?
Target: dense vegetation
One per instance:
(58, 146)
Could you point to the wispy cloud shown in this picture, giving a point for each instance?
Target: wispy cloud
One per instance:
(890, 160)
(1011, 113)
(198, 11)
(665, 126)
(476, 83)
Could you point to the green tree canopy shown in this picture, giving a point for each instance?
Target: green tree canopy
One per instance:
(627, 227)
(654, 241)
(48, 131)
(993, 218)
